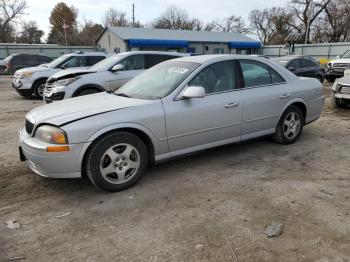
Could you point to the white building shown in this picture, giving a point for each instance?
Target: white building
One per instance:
(121, 39)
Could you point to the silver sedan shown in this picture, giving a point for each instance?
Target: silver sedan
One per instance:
(177, 107)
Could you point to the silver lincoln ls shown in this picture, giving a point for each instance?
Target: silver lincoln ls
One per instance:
(176, 107)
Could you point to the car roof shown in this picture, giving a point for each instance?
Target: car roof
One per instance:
(90, 54)
(202, 59)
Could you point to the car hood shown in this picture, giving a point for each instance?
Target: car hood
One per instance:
(344, 80)
(33, 69)
(67, 73)
(70, 110)
(341, 60)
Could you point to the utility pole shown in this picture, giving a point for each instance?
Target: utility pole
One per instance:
(65, 30)
(133, 15)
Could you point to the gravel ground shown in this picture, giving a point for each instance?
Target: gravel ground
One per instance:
(212, 206)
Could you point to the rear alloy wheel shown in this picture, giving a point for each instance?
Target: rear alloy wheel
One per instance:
(290, 126)
(39, 88)
(116, 162)
(88, 91)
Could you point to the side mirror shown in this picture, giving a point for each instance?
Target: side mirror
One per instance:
(194, 92)
(338, 56)
(63, 66)
(290, 68)
(118, 67)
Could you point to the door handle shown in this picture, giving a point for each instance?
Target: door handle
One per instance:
(230, 105)
(285, 96)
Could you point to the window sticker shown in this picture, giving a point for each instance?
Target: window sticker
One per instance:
(177, 70)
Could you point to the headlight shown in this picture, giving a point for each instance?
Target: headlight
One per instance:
(67, 81)
(51, 134)
(329, 65)
(26, 74)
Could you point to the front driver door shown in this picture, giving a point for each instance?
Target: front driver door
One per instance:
(212, 120)
(133, 65)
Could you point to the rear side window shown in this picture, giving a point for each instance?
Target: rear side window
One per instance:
(95, 59)
(152, 60)
(307, 63)
(259, 74)
(16, 60)
(134, 62)
(295, 64)
(44, 59)
(76, 61)
(216, 78)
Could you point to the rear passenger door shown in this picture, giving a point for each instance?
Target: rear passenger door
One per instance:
(133, 65)
(264, 96)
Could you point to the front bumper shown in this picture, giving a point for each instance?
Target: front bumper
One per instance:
(22, 86)
(342, 96)
(49, 164)
(52, 94)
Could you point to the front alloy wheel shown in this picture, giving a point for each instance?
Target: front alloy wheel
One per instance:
(116, 161)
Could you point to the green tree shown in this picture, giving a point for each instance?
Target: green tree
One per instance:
(63, 18)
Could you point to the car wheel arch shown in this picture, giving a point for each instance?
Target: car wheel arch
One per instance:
(296, 102)
(37, 81)
(90, 86)
(143, 133)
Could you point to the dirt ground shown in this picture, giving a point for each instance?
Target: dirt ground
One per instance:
(212, 206)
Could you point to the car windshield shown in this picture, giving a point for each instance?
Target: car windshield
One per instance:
(107, 63)
(346, 54)
(158, 81)
(58, 61)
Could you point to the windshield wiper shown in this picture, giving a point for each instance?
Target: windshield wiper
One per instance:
(121, 94)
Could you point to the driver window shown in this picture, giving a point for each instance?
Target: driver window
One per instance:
(135, 62)
(216, 78)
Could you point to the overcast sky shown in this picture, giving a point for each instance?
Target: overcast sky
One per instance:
(147, 10)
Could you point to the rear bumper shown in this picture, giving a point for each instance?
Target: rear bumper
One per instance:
(48, 164)
(314, 109)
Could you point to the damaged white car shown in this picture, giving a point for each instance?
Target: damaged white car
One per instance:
(340, 93)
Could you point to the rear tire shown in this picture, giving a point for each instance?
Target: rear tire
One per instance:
(39, 88)
(290, 126)
(338, 103)
(116, 161)
(88, 91)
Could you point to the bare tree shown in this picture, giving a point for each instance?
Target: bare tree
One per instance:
(177, 18)
(114, 17)
(10, 11)
(272, 26)
(338, 19)
(229, 24)
(30, 33)
(306, 12)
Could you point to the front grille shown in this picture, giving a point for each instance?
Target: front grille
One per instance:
(341, 65)
(345, 89)
(29, 127)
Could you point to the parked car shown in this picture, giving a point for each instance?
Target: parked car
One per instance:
(336, 67)
(340, 92)
(302, 66)
(15, 62)
(31, 81)
(177, 107)
(108, 75)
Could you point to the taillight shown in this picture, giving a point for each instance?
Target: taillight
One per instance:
(8, 65)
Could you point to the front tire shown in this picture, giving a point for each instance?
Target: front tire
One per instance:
(39, 88)
(290, 126)
(116, 162)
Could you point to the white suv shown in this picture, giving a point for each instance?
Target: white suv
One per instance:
(107, 75)
(336, 67)
(31, 81)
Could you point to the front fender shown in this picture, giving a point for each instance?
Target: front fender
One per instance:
(113, 127)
